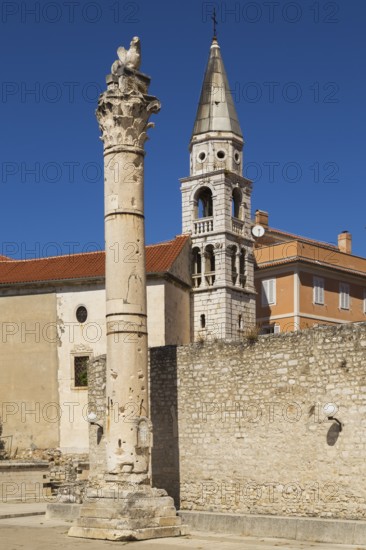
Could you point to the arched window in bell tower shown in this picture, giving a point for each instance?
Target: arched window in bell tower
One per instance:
(234, 272)
(236, 203)
(242, 276)
(209, 265)
(204, 203)
(196, 267)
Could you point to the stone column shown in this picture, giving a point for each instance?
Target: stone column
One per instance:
(125, 506)
(123, 114)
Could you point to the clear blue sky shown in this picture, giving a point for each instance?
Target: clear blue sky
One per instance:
(298, 79)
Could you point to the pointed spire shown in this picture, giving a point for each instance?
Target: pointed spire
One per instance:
(216, 111)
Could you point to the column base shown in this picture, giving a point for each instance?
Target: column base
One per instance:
(144, 513)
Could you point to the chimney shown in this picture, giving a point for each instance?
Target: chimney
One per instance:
(261, 218)
(345, 242)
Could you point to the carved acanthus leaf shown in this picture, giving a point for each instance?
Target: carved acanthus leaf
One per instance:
(124, 118)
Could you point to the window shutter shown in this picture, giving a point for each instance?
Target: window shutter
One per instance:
(268, 292)
(315, 291)
(264, 293)
(277, 329)
(318, 290)
(344, 296)
(272, 291)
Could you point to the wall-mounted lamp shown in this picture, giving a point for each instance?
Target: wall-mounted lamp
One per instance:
(91, 418)
(330, 409)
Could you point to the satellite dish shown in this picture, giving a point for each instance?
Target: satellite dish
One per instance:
(258, 231)
(330, 409)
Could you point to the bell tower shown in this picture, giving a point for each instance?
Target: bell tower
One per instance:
(216, 212)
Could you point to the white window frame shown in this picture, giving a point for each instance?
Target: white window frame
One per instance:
(268, 297)
(318, 290)
(78, 352)
(344, 296)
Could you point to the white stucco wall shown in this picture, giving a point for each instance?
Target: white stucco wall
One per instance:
(77, 339)
(155, 313)
(89, 338)
(36, 371)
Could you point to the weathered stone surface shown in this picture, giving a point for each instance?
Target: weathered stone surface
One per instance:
(119, 502)
(242, 428)
(295, 528)
(127, 534)
(123, 114)
(128, 523)
(64, 511)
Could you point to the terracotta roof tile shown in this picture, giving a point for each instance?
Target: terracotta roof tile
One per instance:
(159, 258)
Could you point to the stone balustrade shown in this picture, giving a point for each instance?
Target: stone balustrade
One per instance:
(203, 225)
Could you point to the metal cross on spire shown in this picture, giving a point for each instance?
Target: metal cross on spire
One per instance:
(214, 19)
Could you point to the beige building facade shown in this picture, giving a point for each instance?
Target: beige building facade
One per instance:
(301, 282)
(51, 328)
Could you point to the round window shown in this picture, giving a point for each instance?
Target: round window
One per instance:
(221, 154)
(81, 314)
(237, 157)
(202, 156)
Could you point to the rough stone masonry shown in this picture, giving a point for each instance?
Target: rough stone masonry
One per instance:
(254, 428)
(272, 427)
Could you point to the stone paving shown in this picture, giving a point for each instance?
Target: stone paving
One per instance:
(37, 533)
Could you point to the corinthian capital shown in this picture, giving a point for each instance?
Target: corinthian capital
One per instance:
(125, 107)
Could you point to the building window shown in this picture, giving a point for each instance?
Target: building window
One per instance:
(270, 329)
(344, 295)
(81, 371)
(243, 278)
(202, 156)
(364, 300)
(318, 290)
(81, 314)
(196, 267)
(240, 322)
(203, 321)
(268, 292)
(234, 274)
(204, 203)
(209, 265)
(236, 203)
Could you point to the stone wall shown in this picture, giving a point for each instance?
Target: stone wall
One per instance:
(96, 404)
(42, 474)
(23, 481)
(77, 339)
(243, 427)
